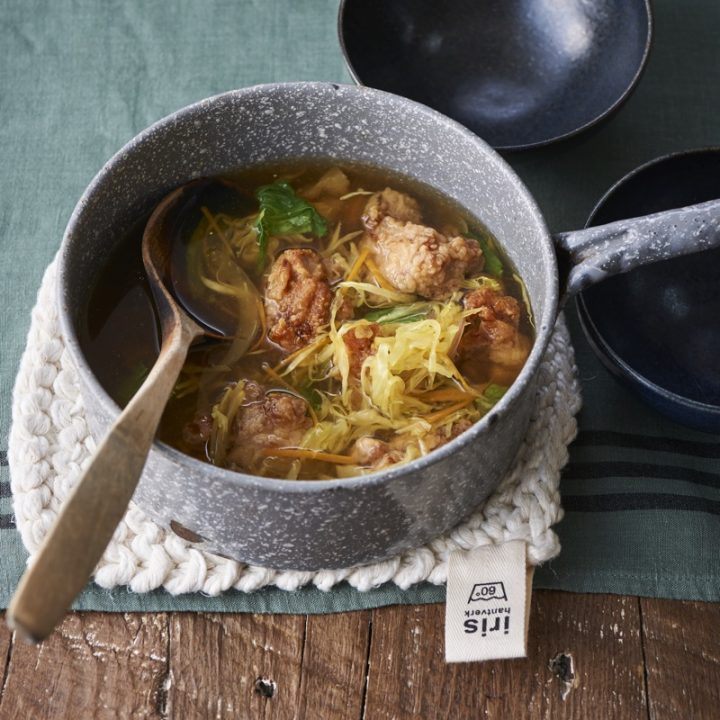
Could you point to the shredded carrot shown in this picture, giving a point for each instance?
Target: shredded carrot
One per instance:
(303, 454)
(440, 414)
(382, 281)
(355, 269)
(315, 345)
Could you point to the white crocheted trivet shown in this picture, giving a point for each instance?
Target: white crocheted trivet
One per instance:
(50, 444)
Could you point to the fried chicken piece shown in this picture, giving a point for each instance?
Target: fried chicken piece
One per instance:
(359, 342)
(492, 334)
(297, 298)
(416, 258)
(196, 433)
(374, 453)
(390, 203)
(436, 438)
(266, 420)
(377, 454)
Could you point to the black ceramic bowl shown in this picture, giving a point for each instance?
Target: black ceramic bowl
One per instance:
(519, 73)
(657, 328)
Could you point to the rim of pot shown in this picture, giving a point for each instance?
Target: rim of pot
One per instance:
(544, 324)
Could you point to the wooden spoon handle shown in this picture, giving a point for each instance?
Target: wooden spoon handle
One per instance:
(88, 518)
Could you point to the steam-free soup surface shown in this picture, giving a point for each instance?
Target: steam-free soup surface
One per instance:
(389, 321)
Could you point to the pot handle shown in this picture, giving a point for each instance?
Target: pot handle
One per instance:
(588, 256)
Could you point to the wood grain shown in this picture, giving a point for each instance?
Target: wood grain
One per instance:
(682, 656)
(6, 643)
(94, 666)
(602, 632)
(235, 666)
(258, 666)
(408, 677)
(261, 666)
(334, 666)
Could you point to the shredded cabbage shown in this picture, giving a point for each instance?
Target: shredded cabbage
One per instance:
(223, 414)
(389, 296)
(409, 360)
(394, 379)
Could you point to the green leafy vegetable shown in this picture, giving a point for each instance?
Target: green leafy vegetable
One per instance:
(282, 212)
(492, 394)
(314, 397)
(262, 239)
(493, 263)
(399, 313)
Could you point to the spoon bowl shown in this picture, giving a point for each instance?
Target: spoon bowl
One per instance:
(196, 271)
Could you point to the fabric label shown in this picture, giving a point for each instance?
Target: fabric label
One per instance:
(488, 603)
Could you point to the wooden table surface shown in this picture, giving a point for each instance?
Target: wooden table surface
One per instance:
(590, 656)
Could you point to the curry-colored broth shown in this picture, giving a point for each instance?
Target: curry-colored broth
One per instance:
(120, 334)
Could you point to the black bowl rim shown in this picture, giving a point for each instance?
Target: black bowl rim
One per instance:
(602, 349)
(605, 114)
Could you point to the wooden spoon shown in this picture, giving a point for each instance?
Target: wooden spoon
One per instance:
(90, 515)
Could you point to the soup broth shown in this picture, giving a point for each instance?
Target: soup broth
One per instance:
(389, 321)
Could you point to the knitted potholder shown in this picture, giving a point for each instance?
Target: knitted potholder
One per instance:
(50, 444)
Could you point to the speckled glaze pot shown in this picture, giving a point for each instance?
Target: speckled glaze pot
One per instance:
(311, 525)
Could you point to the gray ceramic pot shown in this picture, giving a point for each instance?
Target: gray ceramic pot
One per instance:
(328, 524)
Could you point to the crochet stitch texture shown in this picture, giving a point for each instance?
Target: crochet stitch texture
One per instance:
(50, 444)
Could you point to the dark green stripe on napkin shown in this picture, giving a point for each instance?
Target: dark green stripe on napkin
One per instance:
(639, 501)
(610, 438)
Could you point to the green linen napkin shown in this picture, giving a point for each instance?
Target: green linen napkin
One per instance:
(78, 79)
